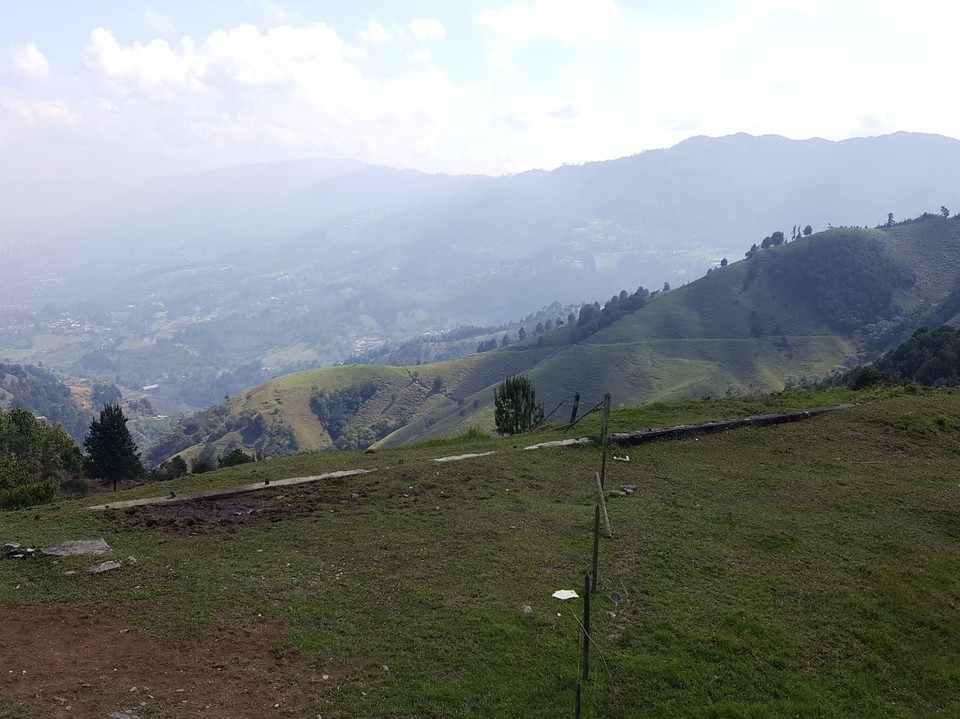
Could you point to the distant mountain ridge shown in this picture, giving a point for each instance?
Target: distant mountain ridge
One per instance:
(215, 280)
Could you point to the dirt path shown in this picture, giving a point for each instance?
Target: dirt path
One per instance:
(89, 663)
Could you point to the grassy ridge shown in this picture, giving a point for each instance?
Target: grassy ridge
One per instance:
(791, 312)
(800, 570)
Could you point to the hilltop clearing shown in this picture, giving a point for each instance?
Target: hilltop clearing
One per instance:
(802, 569)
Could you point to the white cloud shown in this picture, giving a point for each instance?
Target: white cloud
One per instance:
(427, 28)
(245, 94)
(31, 62)
(155, 66)
(375, 32)
(270, 10)
(590, 82)
(573, 21)
(420, 56)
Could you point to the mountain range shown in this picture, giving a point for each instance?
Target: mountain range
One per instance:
(199, 286)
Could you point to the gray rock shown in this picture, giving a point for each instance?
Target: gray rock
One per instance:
(107, 566)
(527, 609)
(79, 547)
(617, 493)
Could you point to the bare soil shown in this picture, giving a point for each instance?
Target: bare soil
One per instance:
(200, 516)
(57, 662)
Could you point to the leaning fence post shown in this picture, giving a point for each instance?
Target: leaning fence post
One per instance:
(603, 506)
(576, 407)
(603, 439)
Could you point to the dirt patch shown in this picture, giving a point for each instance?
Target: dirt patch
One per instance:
(203, 515)
(68, 663)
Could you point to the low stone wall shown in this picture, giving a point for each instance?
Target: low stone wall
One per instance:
(690, 430)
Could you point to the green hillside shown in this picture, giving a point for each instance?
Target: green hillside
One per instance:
(44, 394)
(801, 570)
(788, 313)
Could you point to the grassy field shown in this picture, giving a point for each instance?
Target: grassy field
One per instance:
(801, 570)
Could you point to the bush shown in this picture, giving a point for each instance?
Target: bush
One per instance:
(231, 459)
(29, 495)
(75, 486)
(202, 464)
(867, 376)
(474, 434)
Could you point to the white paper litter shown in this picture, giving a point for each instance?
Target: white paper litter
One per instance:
(566, 594)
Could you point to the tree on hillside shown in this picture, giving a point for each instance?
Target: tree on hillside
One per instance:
(112, 455)
(104, 394)
(944, 211)
(807, 231)
(233, 458)
(516, 407)
(34, 457)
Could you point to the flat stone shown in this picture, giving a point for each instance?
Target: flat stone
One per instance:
(561, 443)
(78, 547)
(459, 457)
(107, 566)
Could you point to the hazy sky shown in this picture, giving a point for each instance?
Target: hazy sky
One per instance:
(108, 92)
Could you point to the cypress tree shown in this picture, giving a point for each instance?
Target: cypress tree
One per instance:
(111, 452)
(516, 408)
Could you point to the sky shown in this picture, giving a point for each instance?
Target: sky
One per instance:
(99, 95)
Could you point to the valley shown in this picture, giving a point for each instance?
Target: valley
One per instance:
(200, 286)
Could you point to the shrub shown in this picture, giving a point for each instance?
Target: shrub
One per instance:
(231, 459)
(29, 495)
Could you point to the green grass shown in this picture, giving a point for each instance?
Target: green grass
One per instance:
(801, 570)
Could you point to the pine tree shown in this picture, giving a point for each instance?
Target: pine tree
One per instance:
(112, 455)
(516, 408)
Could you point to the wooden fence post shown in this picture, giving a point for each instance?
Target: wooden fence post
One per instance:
(586, 627)
(576, 407)
(596, 546)
(603, 506)
(603, 439)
